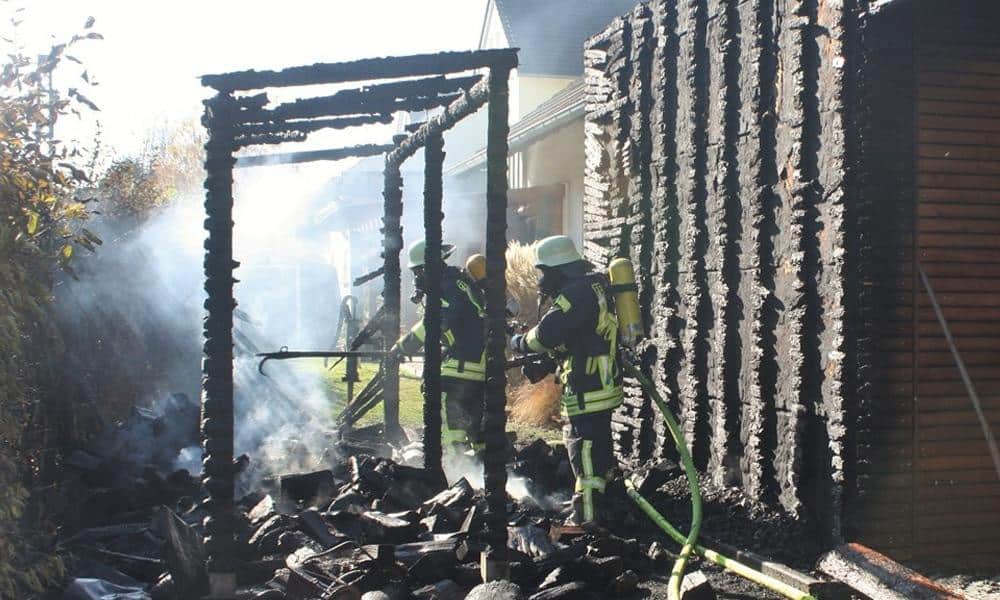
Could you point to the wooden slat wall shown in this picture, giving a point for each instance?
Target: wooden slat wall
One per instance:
(718, 160)
(774, 168)
(956, 492)
(880, 511)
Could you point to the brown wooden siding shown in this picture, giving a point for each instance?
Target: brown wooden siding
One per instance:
(956, 491)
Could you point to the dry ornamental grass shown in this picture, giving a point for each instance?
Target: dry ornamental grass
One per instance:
(529, 404)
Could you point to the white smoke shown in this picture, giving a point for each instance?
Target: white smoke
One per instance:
(150, 277)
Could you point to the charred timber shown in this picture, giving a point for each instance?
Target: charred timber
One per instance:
(433, 165)
(392, 244)
(494, 415)
(332, 107)
(366, 69)
(464, 106)
(267, 139)
(309, 126)
(217, 394)
(261, 160)
(360, 281)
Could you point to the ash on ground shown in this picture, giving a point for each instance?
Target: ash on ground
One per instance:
(367, 524)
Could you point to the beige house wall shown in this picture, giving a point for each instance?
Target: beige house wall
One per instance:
(559, 158)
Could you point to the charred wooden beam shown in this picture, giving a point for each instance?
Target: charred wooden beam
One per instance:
(434, 269)
(264, 139)
(495, 416)
(386, 98)
(366, 69)
(667, 325)
(359, 281)
(692, 159)
(831, 316)
(312, 156)
(725, 239)
(308, 126)
(392, 244)
(217, 382)
(464, 106)
(758, 66)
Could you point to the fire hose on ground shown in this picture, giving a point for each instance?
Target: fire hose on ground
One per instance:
(688, 543)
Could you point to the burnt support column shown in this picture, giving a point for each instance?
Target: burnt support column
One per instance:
(495, 416)
(217, 382)
(392, 244)
(434, 268)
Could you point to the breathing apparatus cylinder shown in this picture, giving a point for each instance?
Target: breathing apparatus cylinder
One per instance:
(626, 294)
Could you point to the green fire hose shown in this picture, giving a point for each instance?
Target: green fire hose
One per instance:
(688, 543)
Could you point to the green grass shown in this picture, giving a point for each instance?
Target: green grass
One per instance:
(411, 401)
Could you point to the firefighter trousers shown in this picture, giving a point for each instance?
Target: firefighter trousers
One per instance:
(461, 415)
(588, 442)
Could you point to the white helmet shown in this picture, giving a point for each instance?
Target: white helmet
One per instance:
(556, 251)
(419, 248)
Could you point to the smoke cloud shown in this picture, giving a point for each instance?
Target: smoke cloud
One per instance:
(142, 298)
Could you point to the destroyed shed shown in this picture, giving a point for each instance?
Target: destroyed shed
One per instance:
(800, 184)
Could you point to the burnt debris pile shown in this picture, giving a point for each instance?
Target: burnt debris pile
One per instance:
(132, 522)
(365, 525)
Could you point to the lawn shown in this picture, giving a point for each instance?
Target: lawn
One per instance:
(411, 401)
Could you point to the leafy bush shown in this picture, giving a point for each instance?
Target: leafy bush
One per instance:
(41, 227)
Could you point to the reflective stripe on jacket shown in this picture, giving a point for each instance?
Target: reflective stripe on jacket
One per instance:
(463, 339)
(582, 328)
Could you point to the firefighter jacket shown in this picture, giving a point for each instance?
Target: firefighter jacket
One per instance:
(581, 328)
(463, 332)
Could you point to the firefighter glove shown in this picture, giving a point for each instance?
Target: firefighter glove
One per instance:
(519, 343)
(536, 371)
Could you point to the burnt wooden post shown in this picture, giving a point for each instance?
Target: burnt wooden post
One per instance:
(392, 244)
(434, 269)
(495, 415)
(217, 382)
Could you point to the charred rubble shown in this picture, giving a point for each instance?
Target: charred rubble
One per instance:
(368, 524)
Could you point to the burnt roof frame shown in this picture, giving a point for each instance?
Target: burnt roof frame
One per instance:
(234, 122)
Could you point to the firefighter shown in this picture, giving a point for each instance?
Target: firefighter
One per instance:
(463, 342)
(581, 330)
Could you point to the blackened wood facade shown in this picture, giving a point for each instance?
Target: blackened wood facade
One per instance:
(776, 169)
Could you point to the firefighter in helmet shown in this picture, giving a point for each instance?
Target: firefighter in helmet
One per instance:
(463, 342)
(581, 330)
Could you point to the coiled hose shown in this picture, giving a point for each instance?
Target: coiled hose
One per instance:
(688, 543)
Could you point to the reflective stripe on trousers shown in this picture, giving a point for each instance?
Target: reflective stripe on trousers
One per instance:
(589, 482)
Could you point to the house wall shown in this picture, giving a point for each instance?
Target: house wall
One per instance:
(717, 158)
(532, 90)
(559, 158)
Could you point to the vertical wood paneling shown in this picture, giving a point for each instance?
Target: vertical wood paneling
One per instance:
(665, 326)
(758, 172)
(881, 512)
(724, 240)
